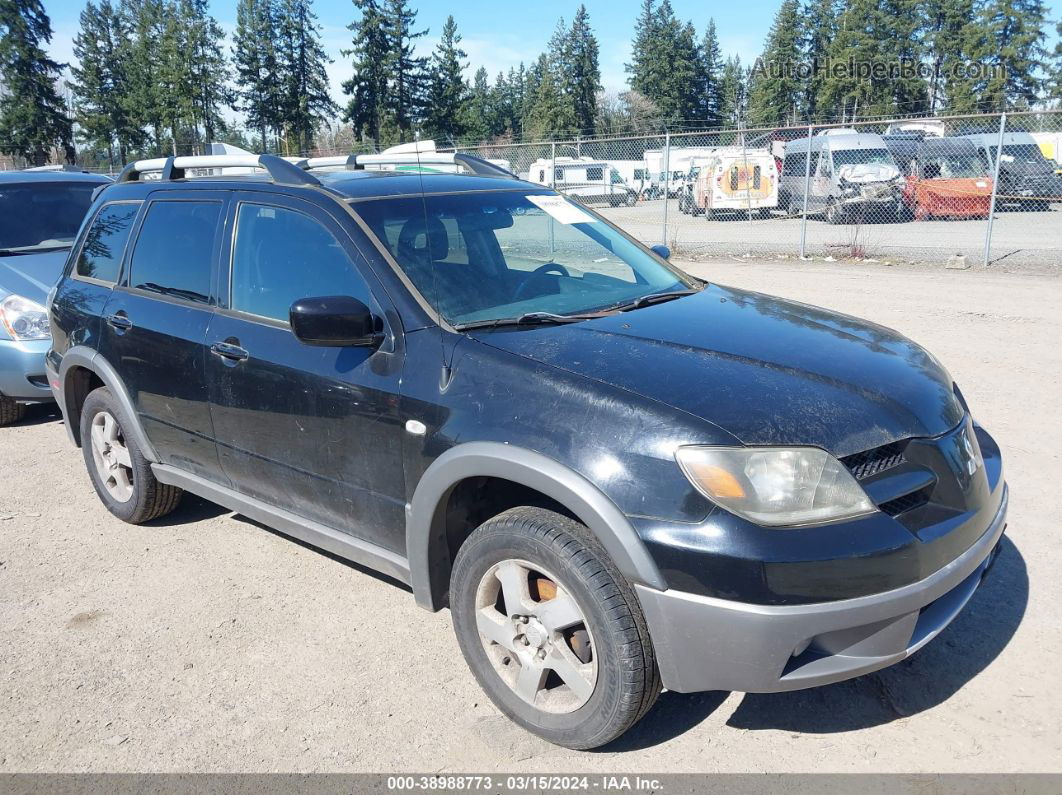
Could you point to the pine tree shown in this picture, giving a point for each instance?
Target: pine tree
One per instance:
(254, 56)
(305, 99)
(582, 72)
(144, 100)
(665, 62)
(101, 82)
(405, 70)
(477, 114)
(1055, 83)
(710, 75)
(33, 119)
(1014, 45)
(446, 92)
(776, 91)
(646, 68)
(901, 28)
(732, 88)
(207, 68)
(819, 30)
(367, 87)
(845, 95)
(548, 114)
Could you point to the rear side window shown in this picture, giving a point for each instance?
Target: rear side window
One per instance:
(281, 256)
(595, 174)
(101, 253)
(174, 249)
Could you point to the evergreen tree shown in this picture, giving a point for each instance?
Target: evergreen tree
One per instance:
(583, 75)
(548, 114)
(145, 20)
(446, 91)
(367, 87)
(477, 113)
(666, 62)
(900, 28)
(101, 82)
(710, 75)
(405, 71)
(1014, 45)
(305, 100)
(820, 28)
(207, 75)
(776, 90)
(844, 95)
(254, 56)
(1055, 84)
(950, 42)
(732, 88)
(33, 119)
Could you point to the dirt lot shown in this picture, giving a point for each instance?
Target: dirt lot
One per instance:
(206, 643)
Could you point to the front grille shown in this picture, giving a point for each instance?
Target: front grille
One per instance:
(871, 462)
(908, 502)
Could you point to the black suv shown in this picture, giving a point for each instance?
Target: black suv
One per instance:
(616, 476)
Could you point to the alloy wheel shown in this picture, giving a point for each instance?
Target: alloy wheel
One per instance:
(111, 456)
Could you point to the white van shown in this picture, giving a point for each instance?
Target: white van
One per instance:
(853, 177)
(583, 178)
(734, 178)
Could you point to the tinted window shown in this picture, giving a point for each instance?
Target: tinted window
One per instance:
(174, 249)
(42, 215)
(795, 163)
(281, 256)
(595, 174)
(101, 254)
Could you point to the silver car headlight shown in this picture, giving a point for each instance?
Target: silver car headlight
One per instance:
(775, 486)
(24, 319)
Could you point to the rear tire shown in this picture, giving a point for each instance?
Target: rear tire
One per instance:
(536, 604)
(120, 474)
(11, 411)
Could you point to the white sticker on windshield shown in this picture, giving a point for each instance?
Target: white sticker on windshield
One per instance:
(561, 209)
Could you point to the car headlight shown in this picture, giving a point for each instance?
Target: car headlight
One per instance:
(775, 486)
(24, 319)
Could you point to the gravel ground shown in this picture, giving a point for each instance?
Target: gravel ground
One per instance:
(206, 643)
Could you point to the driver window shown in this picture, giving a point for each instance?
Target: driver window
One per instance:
(282, 255)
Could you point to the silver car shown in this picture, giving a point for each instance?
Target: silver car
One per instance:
(40, 214)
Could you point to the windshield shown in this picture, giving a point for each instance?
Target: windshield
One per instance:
(616, 178)
(1024, 154)
(862, 157)
(954, 166)
(42, 215)
(492, 256)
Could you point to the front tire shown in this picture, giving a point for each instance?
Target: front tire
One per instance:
(120, 474)
(11, 411)
(551, 630)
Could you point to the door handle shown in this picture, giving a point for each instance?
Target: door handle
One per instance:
(227, 350)
(120, 321)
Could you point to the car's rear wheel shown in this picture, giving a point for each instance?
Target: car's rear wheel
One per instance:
(551, 630)
(120, 474)
(11, 410)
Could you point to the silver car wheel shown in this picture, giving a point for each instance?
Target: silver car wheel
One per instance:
(111, 456)
(536, 636)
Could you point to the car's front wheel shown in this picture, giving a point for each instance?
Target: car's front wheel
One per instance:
(10, 410)
(120, 474)
(551, 630)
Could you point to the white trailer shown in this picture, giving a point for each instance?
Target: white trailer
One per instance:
(583, 178)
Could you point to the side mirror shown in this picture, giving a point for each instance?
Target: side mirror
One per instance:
(661, 251)
(335, 320)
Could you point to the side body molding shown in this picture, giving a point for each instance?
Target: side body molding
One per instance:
(429, 564)
(87, 358)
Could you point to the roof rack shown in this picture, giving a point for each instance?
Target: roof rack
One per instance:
(293, 170)
(280, 170)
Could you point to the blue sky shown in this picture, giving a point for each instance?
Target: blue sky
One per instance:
(499, 35)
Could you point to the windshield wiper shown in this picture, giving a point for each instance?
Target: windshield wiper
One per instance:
(526, 319)
(652, 298)
(23, 250)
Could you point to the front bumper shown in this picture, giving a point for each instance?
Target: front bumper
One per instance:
(705, 643)
(22, 374)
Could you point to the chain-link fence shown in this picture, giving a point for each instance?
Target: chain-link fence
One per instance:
(968, 190)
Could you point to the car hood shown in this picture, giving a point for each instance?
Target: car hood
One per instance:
(31, 275)
(766, 370)
(964, 186)
(868, 172)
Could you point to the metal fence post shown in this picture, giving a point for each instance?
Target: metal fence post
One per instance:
(667, 177)
(995, 189)
(807, 189)
(553, 164)
(748, 186)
